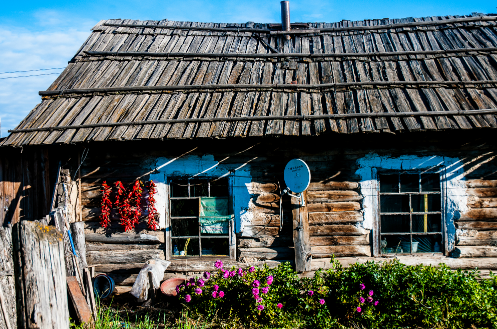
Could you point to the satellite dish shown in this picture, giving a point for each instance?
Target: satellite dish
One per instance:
(297, 175)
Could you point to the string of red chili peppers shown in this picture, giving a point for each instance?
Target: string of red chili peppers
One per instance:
(128, 204)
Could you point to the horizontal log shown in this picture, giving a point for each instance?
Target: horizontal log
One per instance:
(266, 198)
(265, 241)
(336, 240)
(485, 214)
(263, 219)
(429, 260)
(335, 217)
(481, 183)
(476, 238)
(116, 228)
(266, 253)
(118, 268)
(333, 186)
(483, 192)
(481, 226)
(327, 251)
(121, 290)
(123, 257)
(475, 251)
(476, 202)
(335, 206)
(336, 230)
(113, 246)
(333, 196)
(120, 238)
(203, 265)
(259, 188)
(256, 231)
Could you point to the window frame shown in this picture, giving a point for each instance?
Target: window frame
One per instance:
(376, 172)
(231, 225)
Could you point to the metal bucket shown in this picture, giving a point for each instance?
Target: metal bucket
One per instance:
(103, 285)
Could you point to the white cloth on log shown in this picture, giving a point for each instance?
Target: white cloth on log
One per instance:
(156, 267)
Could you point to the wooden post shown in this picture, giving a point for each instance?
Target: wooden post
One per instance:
(301, 234)
(78, 236)
(40, 276)
(7, 282)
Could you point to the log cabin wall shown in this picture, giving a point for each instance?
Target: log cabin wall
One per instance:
(335, 209)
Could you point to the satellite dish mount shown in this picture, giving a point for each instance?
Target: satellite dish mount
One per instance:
(297, 179)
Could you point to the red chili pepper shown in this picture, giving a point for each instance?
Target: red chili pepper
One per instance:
(105, 205)
(152, 211)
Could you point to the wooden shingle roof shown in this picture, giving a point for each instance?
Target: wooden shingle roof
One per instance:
(170, 80)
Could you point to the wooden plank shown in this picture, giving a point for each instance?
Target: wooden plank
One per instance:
(341, 217)
(483, 192)
(120, 238)
(78, 300)
(301, 233)
(476, 202)
(476, 225)
(340, 251)
(266, 253)
(475, 251)
(428, 260)
(326, 196)
(119, 257)
(265, 241)
(256, 231)
(485, 214)
(336, 230)
(476, 238)
(115, 246)
(336, 240)
(333, 206)
(333, 186)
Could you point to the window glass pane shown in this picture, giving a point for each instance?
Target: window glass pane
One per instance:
(425, 202)
(430, 182)
(215, 247)
(426, 223)
(192, 247)
(220, 188)
(395, 224)
(409, 183)
(392, 244)
(427, 243)
(179, 188)
(389, 183)
(199, 188)
(184, 207)
(184, 226)
(394, 203)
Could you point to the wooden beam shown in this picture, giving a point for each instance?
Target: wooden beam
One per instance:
(475, 251)
(333, 206)
(477, 225)
(333, 196)
(336, 230)
(301, 233)
(327, 251)
(78, 300)
(120, 238)
(335, 240)
(342, 217)
(122, 257)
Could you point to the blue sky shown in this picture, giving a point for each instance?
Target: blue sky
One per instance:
(44, 35)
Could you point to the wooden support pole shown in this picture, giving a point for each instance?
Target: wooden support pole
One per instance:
(301, 234)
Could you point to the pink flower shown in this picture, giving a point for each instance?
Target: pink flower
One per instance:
(265, 290)
(256, 283)
(226, 274)
(214, 294)
(371, 293)
(177, 289)
(260, 307)
(232, 274)
(221, 294)
(216, 287)
(279, 305)
(192, 281)
(310, 292)
(359, 309)
(361, 300)
(269, 280)
(376, 303)
(188, 298)
(362, 286)
(200, 283)
(259, 300)
(207, 275)
(198, 291)
(255, 291)
(218, 264)
(188, 284)
(251, 269)
(256, 297)
(240, 272)
(369, 299)
(321, 301)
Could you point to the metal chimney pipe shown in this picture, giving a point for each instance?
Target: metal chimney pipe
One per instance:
(285, 17)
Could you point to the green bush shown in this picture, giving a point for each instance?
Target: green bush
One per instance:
(370, 295)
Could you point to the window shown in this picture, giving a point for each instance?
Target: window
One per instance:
(201, 219)
(410, 213)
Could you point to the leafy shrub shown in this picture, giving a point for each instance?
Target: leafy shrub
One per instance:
(370, 295)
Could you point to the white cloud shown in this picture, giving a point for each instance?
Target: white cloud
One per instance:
(24, 50)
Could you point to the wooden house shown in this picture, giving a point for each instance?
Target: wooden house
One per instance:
(395, 118)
